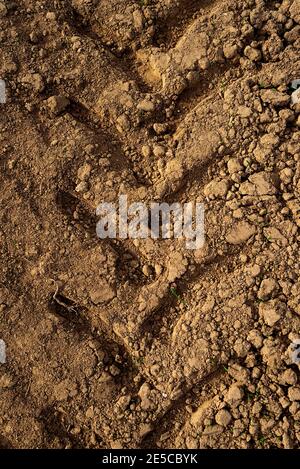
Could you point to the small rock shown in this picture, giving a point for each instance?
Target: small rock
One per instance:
(267, 287)
(288, 377)
(244, 111)
(57, 104)
(287, 441)
(295, 11)
(223, 417)
(239, 373)
(173, 168)
(193, 77)
(212, 430)
(274, 97)
(296, 97)
(269, 141)
(294, 393)
(146, 106)
(81, 187)
(294, 407)
(90, 413)
(295, 84)
(254, 270)
(241, 347)
(35, 80)
(138, 20)
(84, 172)
(255, 338)
(275, 236)
(240, 233)
(146, 151)
(144, 390)
(270, 312)
(160, 129)
(286, 175)
(234, 166)
(293, 34)
(159, 151)
(144, 394)
(252, 54)
(147, 270)
(34, 37)
(123, 402)
(230, 50)
(123, 123)
(258, 184)
(234, 395)
(216, 188)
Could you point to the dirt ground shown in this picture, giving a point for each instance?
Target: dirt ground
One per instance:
(143, 343)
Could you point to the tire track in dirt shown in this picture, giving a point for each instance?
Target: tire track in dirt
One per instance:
(168, 426)
(167, 347)
(151, 311)
(177, 18)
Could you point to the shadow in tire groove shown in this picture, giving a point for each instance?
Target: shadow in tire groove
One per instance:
(56, 426)
(5, 443)
(164, 423)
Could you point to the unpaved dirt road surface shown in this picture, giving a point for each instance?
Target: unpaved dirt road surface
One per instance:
(142, 343)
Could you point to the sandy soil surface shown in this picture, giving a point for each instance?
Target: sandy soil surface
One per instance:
(143, 343)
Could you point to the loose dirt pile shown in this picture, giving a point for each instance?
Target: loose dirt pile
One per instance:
(143, 343)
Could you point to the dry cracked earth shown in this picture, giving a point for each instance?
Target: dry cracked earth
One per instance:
(142, 343)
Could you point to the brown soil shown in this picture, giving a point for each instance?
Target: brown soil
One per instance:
(161, 100)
